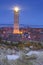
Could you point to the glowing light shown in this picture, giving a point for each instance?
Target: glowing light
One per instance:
(16, 9)
(17, 32)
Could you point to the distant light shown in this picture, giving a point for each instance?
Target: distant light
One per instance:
(16, 9)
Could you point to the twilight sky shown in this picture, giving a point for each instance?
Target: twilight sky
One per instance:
(31, 11)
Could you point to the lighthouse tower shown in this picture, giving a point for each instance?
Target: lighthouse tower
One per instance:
(16, 21)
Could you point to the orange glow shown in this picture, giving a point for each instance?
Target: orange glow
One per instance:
(17, 32)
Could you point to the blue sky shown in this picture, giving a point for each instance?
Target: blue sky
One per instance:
(31, 11)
